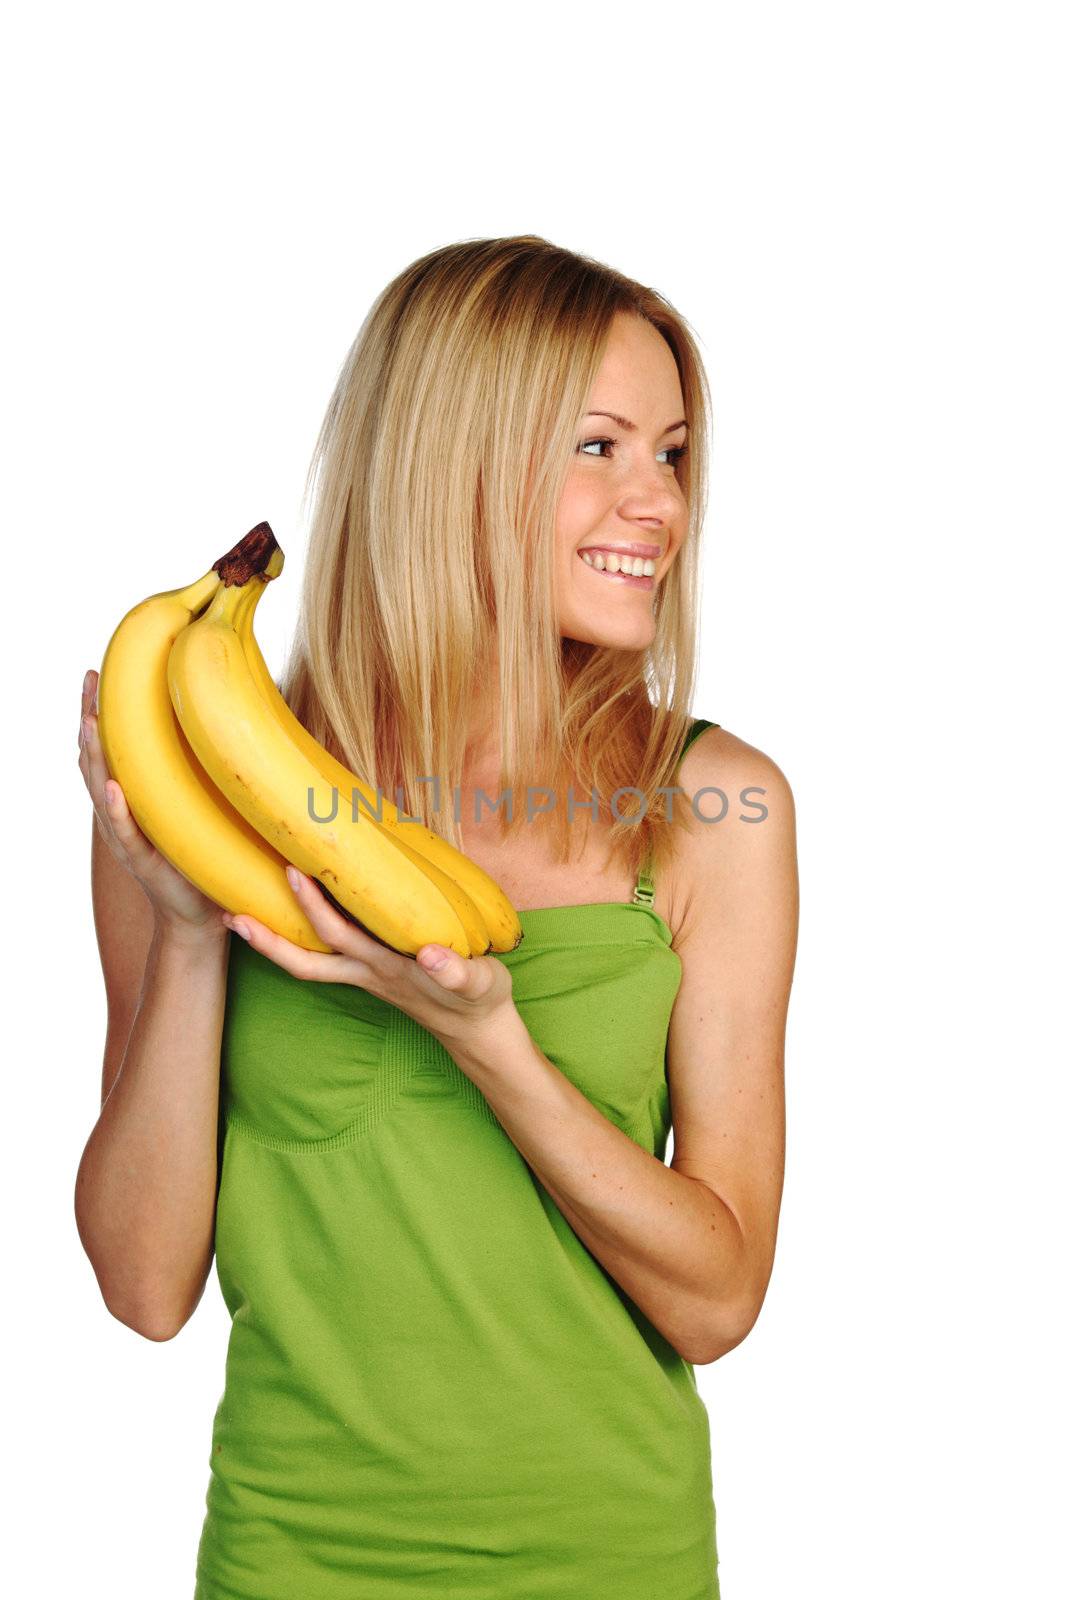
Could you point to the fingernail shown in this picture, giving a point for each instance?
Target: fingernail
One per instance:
(437, 964)
(293, 876)
(85, 681)
(239, 927)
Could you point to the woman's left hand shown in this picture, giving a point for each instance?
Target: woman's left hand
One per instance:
(460, 1000)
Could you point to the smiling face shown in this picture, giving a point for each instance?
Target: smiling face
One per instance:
(622, 493)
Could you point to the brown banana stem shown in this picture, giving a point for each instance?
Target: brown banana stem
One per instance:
(249, 557)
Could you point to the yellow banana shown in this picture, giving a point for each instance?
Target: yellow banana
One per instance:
(338, 777)
(282, 793)
(171, 797)
(498, 921)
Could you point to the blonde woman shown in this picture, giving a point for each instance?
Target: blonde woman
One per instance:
(468, 1294)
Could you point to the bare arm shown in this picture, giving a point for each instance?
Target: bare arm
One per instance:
(692, 1244)
(146, 1185)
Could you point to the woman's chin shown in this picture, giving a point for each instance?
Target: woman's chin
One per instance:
(621, 633)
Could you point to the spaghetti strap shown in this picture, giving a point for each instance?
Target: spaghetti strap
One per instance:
(645, 888)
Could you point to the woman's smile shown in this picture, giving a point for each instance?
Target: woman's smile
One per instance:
(628, 579)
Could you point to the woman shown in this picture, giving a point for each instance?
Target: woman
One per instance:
(467, 1292)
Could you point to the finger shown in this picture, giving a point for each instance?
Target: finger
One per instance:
(117, 821)
(89, 691)
(94, 767)
(445, 966)
(118, 812)
(335, 929)
(311, 965)
(86, 750)
(120, 823)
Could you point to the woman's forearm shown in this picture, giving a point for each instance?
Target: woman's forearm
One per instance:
(146, 1186)
(666, 1239)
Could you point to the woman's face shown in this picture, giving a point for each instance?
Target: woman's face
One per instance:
(622, 496)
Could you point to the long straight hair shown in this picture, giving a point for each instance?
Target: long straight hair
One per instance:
(433, 490)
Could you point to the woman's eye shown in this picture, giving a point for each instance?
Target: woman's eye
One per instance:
(676, 452)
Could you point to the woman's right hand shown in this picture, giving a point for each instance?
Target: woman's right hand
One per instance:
(177, 902)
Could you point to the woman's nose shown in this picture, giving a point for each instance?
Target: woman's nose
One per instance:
(646, 492)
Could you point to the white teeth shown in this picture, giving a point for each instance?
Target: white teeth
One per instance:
(636, 566)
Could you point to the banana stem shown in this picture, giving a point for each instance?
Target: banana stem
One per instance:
(257, 553)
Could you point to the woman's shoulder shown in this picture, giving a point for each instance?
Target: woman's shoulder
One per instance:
(743, 805)
(717, 754)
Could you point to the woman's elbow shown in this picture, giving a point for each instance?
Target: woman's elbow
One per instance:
(724, 1330)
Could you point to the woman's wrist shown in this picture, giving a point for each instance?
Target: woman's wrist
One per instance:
(209, 935)
(484, 1048)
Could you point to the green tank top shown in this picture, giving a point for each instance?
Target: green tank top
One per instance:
(432, 1386)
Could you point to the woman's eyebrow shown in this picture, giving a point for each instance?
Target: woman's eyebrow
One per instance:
(624, 422)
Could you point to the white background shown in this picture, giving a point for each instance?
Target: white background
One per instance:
(860, 211)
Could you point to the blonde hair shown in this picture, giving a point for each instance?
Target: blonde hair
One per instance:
(434, 485)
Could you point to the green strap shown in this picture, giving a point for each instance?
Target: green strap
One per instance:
(645, 889)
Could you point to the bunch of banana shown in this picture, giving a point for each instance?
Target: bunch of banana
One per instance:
(173, 801)
(228, 784)
(495, 919)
